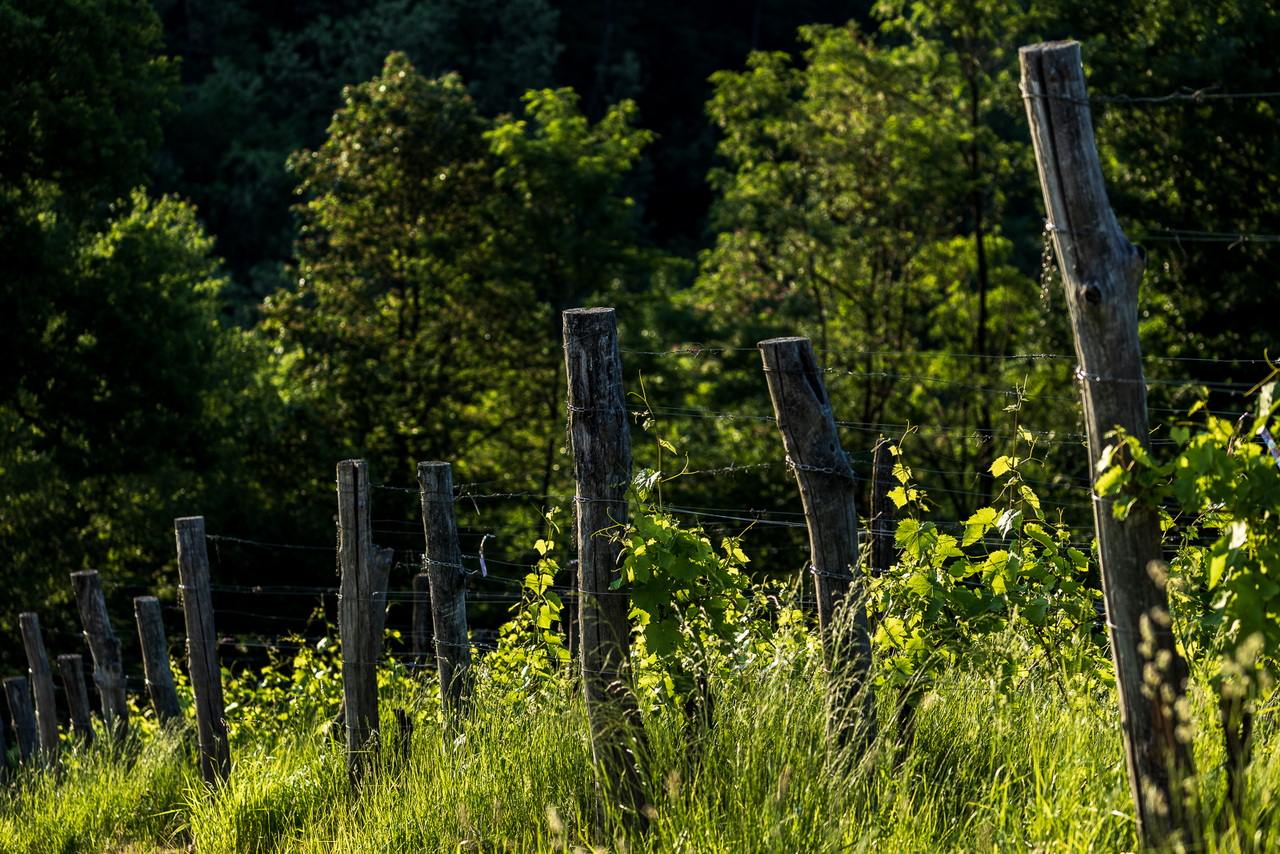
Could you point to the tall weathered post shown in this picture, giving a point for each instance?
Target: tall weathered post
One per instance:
(361, 613)
(41, 684)
(602, 468)
(108, 672)
(828, 489)
(448, 582)
(155, 658)
(71, 667)
(202, 650)
(1101, 271)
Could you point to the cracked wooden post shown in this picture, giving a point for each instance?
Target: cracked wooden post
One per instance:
(1101, 271)
(155, 659)
(828, 489)
(71, 668)
(448, 587)
(108, 673)
(601, 441)
(41, 686)
(202, 650)
(361, 613)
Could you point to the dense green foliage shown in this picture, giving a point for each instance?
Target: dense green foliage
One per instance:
(438, 250)
(242, 241)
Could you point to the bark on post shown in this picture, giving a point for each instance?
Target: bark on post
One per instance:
(1101, 271)
(883, 525)
(602, 468)
(155, 659)
(71, 668)
(448, 586)
(202, 650)
(23, 716)
(361, 613)
(108, 674)
(828, 489)
(41, 685)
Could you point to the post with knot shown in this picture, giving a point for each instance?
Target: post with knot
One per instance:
(108, 672)
(1101, 272)
(361, 613)
(448, 582)
(828, 489)
(202, 650)
(601, 440)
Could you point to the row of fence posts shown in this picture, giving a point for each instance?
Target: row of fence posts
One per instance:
(1101, 272)
(599, 429)
(31, 699)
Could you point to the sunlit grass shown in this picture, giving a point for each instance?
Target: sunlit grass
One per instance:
(1036, 771)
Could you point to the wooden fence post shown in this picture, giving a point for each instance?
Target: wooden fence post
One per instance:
(601, 439)
(155, 658)
(1101, 272)
(883, 525)
(361, 613)
(202, 649)
(420, 634)
(108, 673)
(71, 668)
(828, 489)
(448, 586)
(23, 716)
(41, 685)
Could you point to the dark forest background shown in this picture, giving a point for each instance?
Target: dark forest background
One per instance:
(242, 241)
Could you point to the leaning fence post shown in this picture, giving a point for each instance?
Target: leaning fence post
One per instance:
(71, 668)
(155, 658)
(828, 489)
(361, 613)
(601, 439)
(41, 685)
(23, 716)
(448, 586)
(108, 673)
(1101, 272)
(202, 649)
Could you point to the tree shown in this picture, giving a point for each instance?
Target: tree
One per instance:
(865, 201)
(124, 402)
(262, 81)
(1194, 168)
(437, 250)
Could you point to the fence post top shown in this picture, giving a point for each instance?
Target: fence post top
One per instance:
(778, 342)
(579, 312)
(1055, 45)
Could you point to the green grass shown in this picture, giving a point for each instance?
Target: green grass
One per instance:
(1037, 772)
